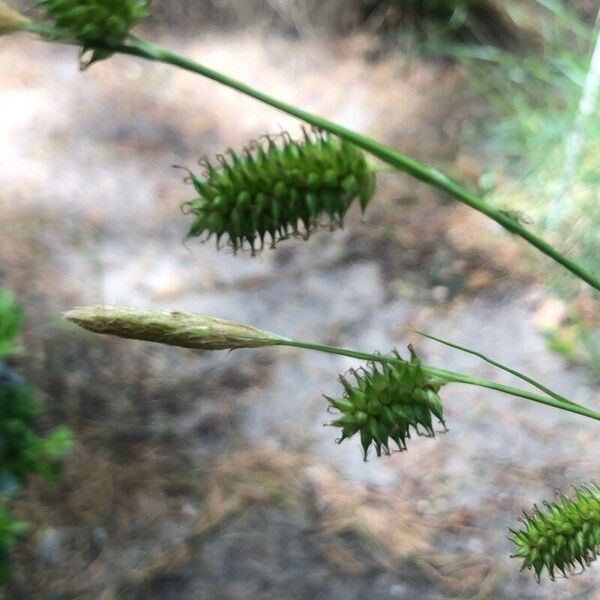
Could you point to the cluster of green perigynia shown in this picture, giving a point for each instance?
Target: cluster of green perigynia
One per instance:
(563, 535)
(386, 401)
(277, 189)
(94, 21)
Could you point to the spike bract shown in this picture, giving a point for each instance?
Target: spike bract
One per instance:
(277, 189)
(386, 401)
(94, 21)
(563, 535)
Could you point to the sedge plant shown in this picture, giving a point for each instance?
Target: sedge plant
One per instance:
(279, 187)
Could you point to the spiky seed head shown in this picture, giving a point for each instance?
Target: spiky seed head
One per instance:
(187, 330)
(11, 21)
(89, 22)
(562, 536)
(386, 401)
(278, 188)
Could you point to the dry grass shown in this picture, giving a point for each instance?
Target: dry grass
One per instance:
(388, 523)
(461, 575)
(349, 518)
(132, 499)
(128, 499)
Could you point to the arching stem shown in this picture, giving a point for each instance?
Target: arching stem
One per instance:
(432, 176)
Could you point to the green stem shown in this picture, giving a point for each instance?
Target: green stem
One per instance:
(489, 360)
(144, 49)
(335, 350)
(449, 376)
(190, 330)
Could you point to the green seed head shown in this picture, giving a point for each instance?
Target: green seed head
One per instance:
(562, 536)
(274, 189)
(94, 21)
(386, 401)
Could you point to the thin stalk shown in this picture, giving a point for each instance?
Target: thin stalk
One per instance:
(450, 377)
(489, 360)
(144, 49)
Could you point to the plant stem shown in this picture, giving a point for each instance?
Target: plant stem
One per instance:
(144, 49)
(190, 330)
(514, 372)
(450, 377)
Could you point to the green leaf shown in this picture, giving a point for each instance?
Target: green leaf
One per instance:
(58, 444)
(11, 321)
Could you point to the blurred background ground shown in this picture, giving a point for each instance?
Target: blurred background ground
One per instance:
(211, 475)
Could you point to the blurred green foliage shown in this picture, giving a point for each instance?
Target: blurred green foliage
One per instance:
(481, 21)
(533, 105)
(533, 100)
(22, 451)
(534, 96)
(11, 319)
(10, 531)
(578, 343)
